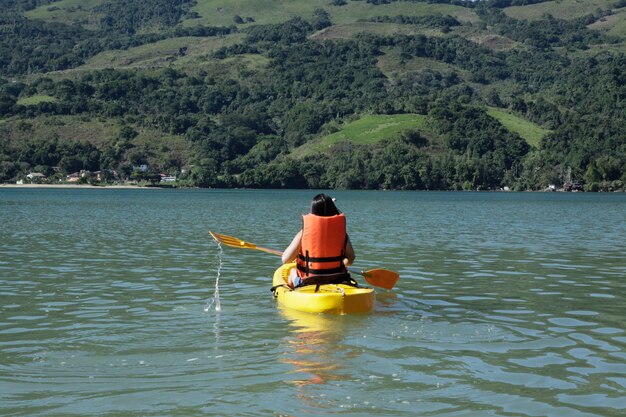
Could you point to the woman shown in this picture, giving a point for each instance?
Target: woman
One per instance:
(322, 247)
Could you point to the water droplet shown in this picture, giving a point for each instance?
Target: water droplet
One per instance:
(216, 296)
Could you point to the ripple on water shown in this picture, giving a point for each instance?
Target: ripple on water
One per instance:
(605, 402)
(582, 313)
(570, 322)
(601, 295)
(541, 361)
(607, 330)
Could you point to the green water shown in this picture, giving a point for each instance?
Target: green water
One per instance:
(508, 305)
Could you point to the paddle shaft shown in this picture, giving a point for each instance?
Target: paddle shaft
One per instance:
(279, 253)
(378, 277)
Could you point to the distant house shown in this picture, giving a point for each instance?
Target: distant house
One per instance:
(96, 175)
(73, 177)
(167, 178)
(572, 186)
(35, 176)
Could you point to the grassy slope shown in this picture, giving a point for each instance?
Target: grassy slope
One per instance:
(531, 132)
(73, 128)
(374, 128)
(161, 53)
(68, 11)
(95, 131)
(164, 54)
(561, 9)
(355, 11)
(351, 30)
(571, 9)
(222, 12)
(366, 130)
(34, 100)
(392, 66)
(615, 24)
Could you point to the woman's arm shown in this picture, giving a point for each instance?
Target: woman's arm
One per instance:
(292, 250)
(350, 255)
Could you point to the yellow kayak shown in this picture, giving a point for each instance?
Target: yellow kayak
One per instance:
(329, 298)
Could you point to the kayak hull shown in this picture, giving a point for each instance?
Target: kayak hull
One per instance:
(329, 298)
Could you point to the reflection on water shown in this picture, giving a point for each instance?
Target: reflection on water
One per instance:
(313, 346)
(507, 305)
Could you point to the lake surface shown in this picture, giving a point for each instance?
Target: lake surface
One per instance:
(509, 304)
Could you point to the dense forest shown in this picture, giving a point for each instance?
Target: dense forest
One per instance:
(256, 103)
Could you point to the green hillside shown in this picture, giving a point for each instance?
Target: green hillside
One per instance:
(531, 132)
(223, 12)
(612, 21)
(374, 128)
(614, 25)
(35, 100)
(321, 93)
(366, 130)
(257, 12)
(178, 52)
(560, 9)
(150, 144)
(68, 11)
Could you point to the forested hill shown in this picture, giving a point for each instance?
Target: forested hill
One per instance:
(376, 94)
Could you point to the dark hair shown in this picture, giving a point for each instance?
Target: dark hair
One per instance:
(323, 205)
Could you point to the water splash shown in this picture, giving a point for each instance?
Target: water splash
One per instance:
(216, 296)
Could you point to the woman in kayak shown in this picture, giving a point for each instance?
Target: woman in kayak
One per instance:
(322, 247)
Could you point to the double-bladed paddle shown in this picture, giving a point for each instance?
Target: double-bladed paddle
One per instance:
(382, 278)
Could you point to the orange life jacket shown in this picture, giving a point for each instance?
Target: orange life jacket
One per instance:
(323, 245)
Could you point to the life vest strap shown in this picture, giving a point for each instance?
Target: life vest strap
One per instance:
(324, 259)
(325, 271)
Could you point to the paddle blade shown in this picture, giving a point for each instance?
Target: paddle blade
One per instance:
(231, 241)
(382, 278)
(238, 243)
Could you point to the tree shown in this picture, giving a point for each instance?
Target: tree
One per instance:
(321, 19)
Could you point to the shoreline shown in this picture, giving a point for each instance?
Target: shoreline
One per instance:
(141, 187)
(80, 186)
